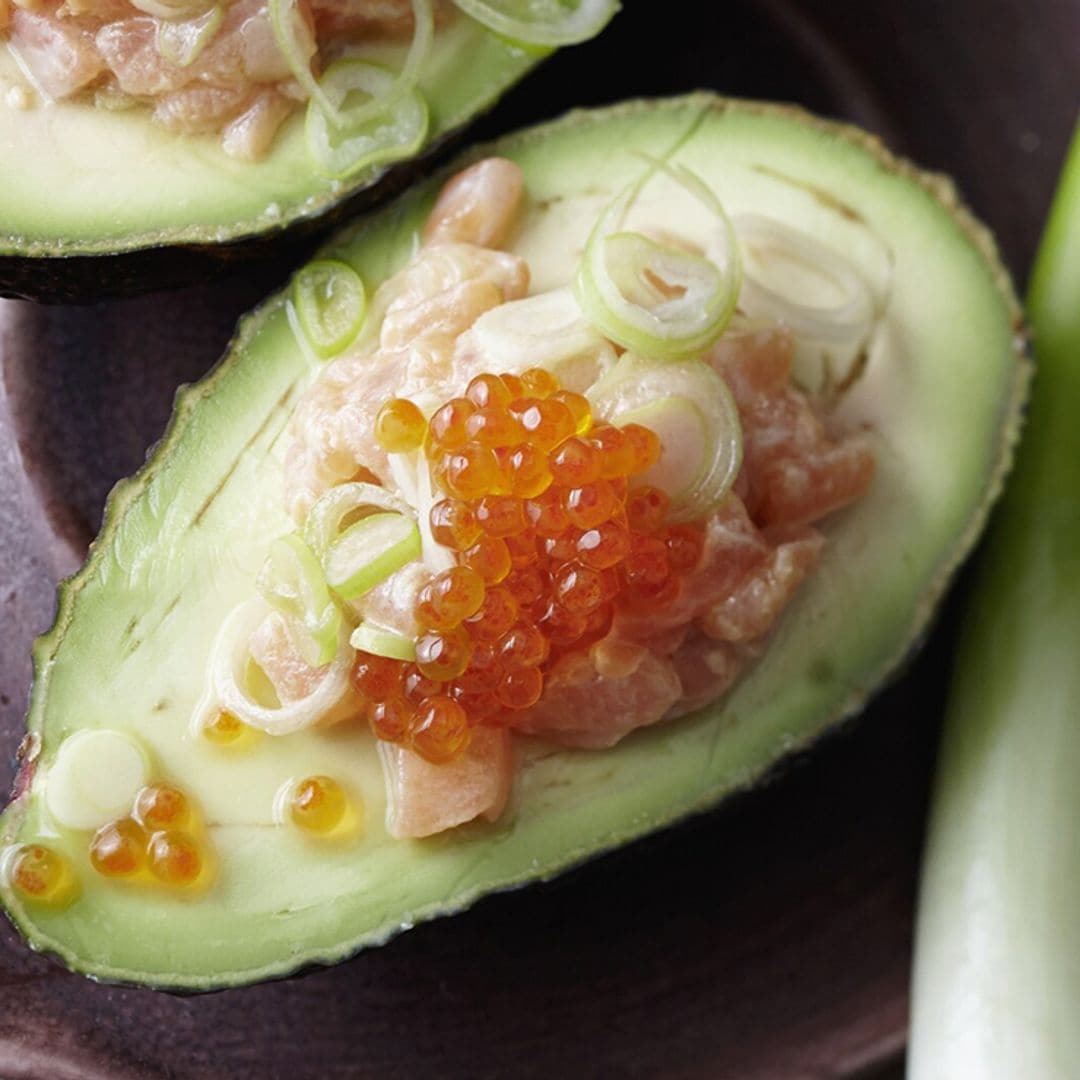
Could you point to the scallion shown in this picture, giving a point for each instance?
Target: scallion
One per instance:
(997, 970)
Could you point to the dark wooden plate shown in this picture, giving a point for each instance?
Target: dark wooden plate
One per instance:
(768, 939)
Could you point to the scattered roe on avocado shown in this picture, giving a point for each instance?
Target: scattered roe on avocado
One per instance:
(223, 728)
(42, 876)
(159, 841)
(317, 804)
(550, 543)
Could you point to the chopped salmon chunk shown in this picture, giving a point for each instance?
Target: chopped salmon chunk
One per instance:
(58, 53)
(424, 799)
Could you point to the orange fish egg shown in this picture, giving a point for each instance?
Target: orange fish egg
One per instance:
(174, 858)
(318, 804)
(453, 524)
(390, 719)
(490, 558)
(441, 729)
(41, 875)
(443, 655)
(161, 806)
(400, 426)
(449, 598)
(118, 849)
(447, 427)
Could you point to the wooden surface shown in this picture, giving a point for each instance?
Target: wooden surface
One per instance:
(769, 939)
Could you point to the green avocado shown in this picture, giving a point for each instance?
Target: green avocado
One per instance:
(181, 208)
(183, 541)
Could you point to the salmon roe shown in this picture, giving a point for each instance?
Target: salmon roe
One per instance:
(400, 426)
(161, 839)
(41, 875)
(550, 541)
(318, 804)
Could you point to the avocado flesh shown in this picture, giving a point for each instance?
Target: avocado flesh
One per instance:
(184, 539)
(185, 191)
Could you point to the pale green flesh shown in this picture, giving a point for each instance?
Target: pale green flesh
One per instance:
(184, 542)
(61, 192)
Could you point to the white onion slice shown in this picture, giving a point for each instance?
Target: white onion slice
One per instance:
(369, 638)
(659, 300)
(293, 582)
(547, 330)
(284, 18)
(325, 518)
(542, 22)
(367, 553)
(846, 322)
(229, 659)
(397, 129)
(692, 411)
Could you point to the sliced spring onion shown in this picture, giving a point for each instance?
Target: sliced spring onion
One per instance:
(332, 509)
(547, 330)
(292, 581)
(229, 661)
(654, 299)
(542, 22)
(694, 415)
(773, 252)
(408, 76)
(181, 43)
(330, 303)
(368, 552)
(379, 642)
(286, 19)
(996, 987)
(396, 131)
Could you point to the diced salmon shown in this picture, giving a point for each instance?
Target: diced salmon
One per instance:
(250, 136)
(333, 428)
(478, 205)
(436, 272)
(582, 708)
(427, 305)
(199, 108)
(274, 650)
(430, 326)
(370, 18)
(272, 647)
(707, 670)
(243, 52)
(392, 603)
(734, 547)
(100, 11)
(129, 48)
(804, 488)
(793, 472)
(749, 611)
(424, 799)
(58, 53)
(754, 363)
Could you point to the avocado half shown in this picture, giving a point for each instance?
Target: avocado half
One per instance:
(184, 538)
(75, 227)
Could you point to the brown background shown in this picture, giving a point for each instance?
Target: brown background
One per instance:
(768, 939)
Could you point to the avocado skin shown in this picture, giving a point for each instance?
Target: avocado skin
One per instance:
(571, 832)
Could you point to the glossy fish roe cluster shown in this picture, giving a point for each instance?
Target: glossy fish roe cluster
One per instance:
(158, 841)
(551, 541)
